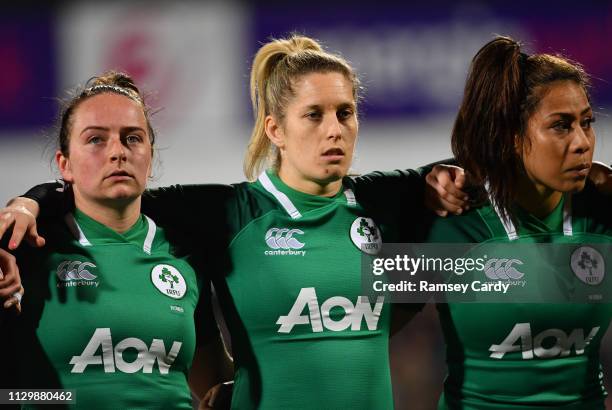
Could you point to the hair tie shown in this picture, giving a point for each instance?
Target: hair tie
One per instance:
(96, 89)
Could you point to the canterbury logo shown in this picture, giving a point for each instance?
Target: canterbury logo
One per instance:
(503, 269)
(75, 270)
(282, 238)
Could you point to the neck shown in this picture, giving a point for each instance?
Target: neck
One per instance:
(537, 199)
(115, 214)
(311, 187)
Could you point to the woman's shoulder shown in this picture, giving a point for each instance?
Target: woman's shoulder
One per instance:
(593, 207)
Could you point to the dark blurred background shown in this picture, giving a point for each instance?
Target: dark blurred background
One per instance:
(193, 57)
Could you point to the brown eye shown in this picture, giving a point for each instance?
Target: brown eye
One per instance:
(133, 139)
(345, 114)
(314, 115)
(587, 123)
(562, 126)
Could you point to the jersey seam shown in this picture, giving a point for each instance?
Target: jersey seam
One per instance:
(252, 221)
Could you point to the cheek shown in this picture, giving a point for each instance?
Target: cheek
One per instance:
(144, 164)
(546, 160)
(84, 173)
(352, 130)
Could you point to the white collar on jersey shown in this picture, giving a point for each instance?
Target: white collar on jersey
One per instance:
(286, 203)
(80, 235)
(511, 229)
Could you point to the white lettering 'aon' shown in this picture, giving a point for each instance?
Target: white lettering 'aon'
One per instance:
(319, 318)
(112, 358)
(558, 343)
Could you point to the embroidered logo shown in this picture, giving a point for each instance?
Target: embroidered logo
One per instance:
(284, 241)
(366, 235)
(76, 273)
(588, 265)
(169, 281)
(503, 269)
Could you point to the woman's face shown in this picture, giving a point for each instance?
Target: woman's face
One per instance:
(560, 140)
(316, 139)
(109, 152)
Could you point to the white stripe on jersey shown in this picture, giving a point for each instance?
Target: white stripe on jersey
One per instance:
(76, 230)
(506, 222)
(567, 215)
(511, 229)
(286, 202)
(350, 197)
(150, 235)
(282, 198)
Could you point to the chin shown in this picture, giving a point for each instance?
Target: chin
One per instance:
(123, 194)
(334, 173)
(573, 186)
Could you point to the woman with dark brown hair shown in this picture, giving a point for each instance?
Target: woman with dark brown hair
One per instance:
(524, 132)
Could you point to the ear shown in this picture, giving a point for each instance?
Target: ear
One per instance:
(522, 145)
(274, 131)
(518, 147)
(65, 168)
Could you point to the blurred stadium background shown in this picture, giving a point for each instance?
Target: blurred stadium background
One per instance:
(193, 57)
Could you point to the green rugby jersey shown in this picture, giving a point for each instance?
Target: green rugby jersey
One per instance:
(288, 276)
(526, 356)
(286, 267)
(108, 315)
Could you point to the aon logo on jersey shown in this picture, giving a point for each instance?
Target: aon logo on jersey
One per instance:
(112, 357)
(318, 316)
(547, 344)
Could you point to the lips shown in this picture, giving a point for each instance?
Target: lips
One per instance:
(333, 155)
(119, 174)
(582, 169)
(334, 152)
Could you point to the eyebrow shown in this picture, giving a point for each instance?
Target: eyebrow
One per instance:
(93, 127)
(341, 105)
(100, 128)
(565, 114)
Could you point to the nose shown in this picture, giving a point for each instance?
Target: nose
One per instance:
(583, 141)
(334, 129)
(117, 150)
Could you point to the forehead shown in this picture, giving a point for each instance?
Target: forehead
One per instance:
(108, 110)
(563, 97)
(323, 88)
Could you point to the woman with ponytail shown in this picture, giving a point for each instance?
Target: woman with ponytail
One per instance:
(284, 249)
(524, 132)
(115, 312)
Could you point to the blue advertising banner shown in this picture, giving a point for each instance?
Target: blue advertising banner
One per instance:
(413, 59)
(28, 80)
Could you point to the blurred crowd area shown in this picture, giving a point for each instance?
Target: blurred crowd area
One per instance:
(193, 59)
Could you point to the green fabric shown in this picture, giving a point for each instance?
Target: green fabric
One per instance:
(531, 372)
(332, 353)
(332, 359)
(105, 330)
